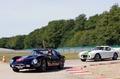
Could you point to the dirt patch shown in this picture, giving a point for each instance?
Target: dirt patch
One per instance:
(111, 70)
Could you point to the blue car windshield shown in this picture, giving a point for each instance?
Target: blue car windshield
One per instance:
(98, 48)
(35, 52)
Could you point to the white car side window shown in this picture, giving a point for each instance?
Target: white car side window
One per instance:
(108, 49)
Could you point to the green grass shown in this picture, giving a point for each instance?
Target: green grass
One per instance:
(71, 55)
(9, 55)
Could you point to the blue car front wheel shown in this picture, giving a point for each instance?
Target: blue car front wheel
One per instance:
(43, 66)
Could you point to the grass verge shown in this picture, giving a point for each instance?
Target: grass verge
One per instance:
(9, 55)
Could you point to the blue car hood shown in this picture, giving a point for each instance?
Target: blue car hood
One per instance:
(25, 59)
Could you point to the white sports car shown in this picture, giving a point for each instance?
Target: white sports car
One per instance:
(99, 53)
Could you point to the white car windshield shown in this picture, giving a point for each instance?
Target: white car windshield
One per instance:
(98, 48)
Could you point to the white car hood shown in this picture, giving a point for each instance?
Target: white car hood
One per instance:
(89, 52)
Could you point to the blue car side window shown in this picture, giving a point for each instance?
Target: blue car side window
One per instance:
(55, 53)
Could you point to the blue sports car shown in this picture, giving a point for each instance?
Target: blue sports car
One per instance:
(39, 59)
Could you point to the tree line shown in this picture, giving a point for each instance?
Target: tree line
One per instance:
(100, 29)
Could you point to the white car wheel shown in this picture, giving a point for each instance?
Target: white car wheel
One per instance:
(97, 57)
(115, 56)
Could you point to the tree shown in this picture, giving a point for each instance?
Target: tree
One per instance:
(102, 29)
(80, 22)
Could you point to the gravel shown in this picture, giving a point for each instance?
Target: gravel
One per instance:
(110, 70)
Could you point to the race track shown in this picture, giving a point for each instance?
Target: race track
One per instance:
(7, 73)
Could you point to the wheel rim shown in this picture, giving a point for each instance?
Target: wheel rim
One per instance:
(97, 57)
(115, 56)
(61, 64)
(44, 66)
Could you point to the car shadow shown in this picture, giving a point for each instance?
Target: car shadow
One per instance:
(52, 69)
(103, 60)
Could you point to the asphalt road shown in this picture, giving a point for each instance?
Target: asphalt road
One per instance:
(7, 73)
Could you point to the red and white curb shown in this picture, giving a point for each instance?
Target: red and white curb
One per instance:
(79, 70)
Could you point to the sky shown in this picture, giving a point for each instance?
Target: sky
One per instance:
(20, 17)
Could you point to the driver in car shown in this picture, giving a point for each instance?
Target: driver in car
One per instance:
(49, 52)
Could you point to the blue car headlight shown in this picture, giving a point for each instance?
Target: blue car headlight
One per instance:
(34, 61)
(11, 61)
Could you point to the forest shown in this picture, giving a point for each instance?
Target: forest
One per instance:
(99, 29)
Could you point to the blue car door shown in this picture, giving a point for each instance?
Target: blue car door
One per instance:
(54, 58)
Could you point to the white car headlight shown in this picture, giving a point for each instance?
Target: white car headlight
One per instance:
(34, 61)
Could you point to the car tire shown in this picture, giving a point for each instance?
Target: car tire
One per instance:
(83, 60)
(15, 70)
(97, 57)
(115, 56)
(43, 66)
(61, 65)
